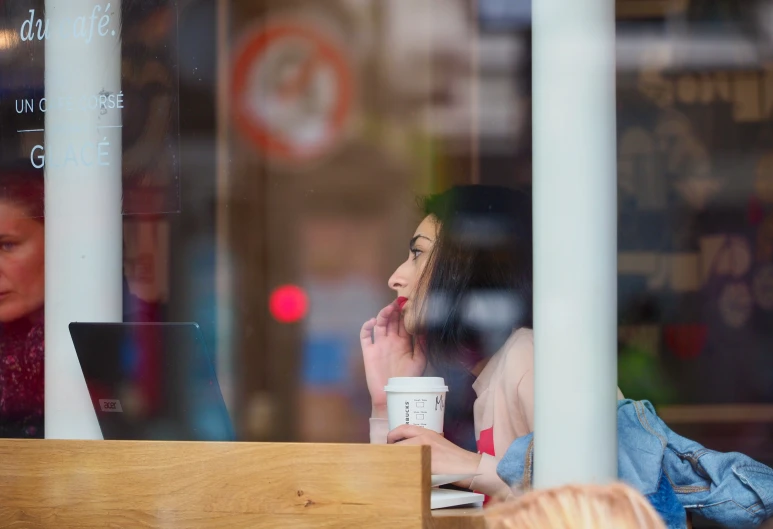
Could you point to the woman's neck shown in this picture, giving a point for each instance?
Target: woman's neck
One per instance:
(37, 316)
(27, 321)
(478, 368)
(473, 361)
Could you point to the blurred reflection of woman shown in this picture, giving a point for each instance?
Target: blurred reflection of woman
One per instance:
(464, 300)
(22, 289)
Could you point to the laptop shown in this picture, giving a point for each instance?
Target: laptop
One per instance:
(151, 381)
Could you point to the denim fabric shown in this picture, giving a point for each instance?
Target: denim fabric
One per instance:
(729, 488)
(515, 469)
(667, 503)
(675, 473)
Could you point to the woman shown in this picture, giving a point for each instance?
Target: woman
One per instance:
(464, 299)
(22, 290)
(615, 506)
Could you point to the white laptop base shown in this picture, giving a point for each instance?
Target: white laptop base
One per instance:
(444, 498)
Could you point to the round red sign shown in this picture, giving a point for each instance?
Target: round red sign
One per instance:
(292, 90)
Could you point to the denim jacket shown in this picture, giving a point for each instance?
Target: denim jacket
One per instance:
(674, 473)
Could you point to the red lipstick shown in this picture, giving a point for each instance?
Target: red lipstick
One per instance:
(401, 301)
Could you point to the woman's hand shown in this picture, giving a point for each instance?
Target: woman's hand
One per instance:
(388, 351)
(447, 458)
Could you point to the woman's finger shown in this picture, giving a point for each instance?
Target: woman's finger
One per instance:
(394, 321)
(366, 332)
(382, 321)
(413, 441)
(404, 432)
(388, 319)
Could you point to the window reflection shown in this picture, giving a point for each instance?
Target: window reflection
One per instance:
(22, 292)
(291, 149)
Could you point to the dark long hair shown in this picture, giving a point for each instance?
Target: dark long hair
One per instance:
(478, 285)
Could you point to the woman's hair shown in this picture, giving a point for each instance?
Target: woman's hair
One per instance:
(478, 282)
(615, 506)
(23, 186)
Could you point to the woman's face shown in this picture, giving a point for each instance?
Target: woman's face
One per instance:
(405, 280)
(22, 268)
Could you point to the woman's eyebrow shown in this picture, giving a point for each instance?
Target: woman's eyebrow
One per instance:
(416, 238)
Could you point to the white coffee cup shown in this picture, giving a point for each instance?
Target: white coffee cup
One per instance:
(419, 401)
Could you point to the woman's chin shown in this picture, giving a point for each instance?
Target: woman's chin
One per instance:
(10, 313)
(10, 317)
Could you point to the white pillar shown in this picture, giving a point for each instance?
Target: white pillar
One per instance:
(575, 234)
(82, 198)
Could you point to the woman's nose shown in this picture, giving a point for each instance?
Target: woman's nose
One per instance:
(398, 280)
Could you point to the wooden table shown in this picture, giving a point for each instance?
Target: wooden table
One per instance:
(212, 485)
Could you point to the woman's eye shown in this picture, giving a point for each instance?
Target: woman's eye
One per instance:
(7, 246)
(416, 253)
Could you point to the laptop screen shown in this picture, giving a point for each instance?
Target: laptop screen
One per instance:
(151, 381)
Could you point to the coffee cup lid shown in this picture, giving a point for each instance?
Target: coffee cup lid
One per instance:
(416, 385)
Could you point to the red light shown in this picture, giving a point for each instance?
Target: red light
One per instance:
(686, 341)
(288, 304)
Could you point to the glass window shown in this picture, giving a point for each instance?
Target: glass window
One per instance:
(260, 168)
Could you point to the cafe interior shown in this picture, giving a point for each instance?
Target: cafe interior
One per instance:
(252, 172)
